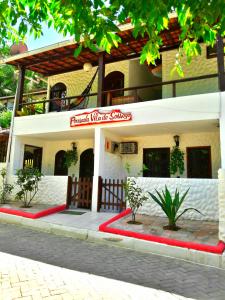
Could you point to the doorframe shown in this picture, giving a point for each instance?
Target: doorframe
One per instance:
(32, 146)
(80, 161)
(188, 159)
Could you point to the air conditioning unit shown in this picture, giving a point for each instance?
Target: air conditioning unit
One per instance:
(128, 148)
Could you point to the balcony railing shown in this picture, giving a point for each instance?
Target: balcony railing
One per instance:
(173, 88)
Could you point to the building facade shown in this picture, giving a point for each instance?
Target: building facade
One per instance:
(129, 117)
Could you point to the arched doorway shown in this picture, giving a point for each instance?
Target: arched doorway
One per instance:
(87, 164)
(113, 81)
(58, 91)
(60, 167)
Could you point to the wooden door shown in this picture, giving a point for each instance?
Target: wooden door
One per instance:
(60, 167)
(87, 164)
(157, 160)
(199, 162)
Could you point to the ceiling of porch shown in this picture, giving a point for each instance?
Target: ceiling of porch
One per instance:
(59, 58)
(87, 133)
(165, 128)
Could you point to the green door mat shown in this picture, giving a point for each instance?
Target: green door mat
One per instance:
(72, 212)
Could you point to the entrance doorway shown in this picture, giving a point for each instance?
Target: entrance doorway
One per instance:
(32, 157)
(87, 164)
(113, 81)
(157, 161)
(199, 162)
(60, 167)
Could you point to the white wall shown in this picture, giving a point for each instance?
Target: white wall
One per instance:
(2, 166)
(112, 166)
(50, 148)
(52, 190)
(186, 140)
(203, 195)
(189, 108)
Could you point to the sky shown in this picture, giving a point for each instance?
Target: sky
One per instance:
(50, 36)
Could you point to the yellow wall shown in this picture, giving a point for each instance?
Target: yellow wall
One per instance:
(186, 140)
(199, 66)
(136, 74)
(77, 81)
(140, 75)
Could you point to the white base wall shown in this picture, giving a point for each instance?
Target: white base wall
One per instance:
(2, 166)
(52, 190)
(203, 195)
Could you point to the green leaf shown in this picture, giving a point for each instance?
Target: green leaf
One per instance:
(78, 50)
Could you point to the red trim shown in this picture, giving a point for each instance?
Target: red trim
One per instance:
(102, 122)
(29, 215)
(219, 248)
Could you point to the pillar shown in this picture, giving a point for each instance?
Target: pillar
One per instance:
(220, 62)
(20, 88)
(101, 76)
(99, 151)
(221, 203)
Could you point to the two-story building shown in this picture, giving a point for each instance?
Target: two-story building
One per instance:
(115, 112)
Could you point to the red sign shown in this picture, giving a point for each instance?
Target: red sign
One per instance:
(97, 117)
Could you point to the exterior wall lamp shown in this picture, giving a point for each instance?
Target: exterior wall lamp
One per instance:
(74, 146)
(87, 67)
(176, 140)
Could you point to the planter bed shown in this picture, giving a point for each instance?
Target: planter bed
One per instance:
(34, 212)
(193, 234)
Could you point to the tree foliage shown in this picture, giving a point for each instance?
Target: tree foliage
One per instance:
(95, 22)
(9, 76)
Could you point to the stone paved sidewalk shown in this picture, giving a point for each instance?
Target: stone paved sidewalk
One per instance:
(145, 269)
(22, 278)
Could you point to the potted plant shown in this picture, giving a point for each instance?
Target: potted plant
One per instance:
(71, 157)
(176, 161)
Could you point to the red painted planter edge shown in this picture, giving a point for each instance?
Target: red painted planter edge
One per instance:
(218, 249)
(31, 215)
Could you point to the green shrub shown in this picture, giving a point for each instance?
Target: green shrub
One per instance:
(6, 188)
(171, 205)
(27, 180)
(134, 196)
(5, 118)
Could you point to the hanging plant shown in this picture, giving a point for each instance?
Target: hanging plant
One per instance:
(176, 161)
(71, 157)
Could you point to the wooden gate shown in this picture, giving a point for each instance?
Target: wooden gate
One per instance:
(111, 196)
(79, 192)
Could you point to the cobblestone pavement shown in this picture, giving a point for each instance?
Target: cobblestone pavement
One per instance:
(161, 273)
(22, 278)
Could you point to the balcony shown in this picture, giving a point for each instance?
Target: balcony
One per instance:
(169, 89)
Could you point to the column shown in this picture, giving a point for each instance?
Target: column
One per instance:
(99, 153)
(221, 204)
(20, 88)
(220, 62)
(101, 76)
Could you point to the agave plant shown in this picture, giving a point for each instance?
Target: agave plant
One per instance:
(171, 205)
